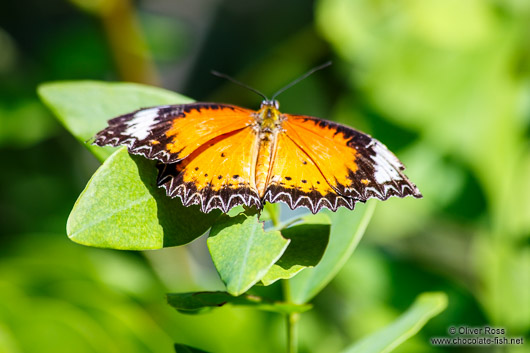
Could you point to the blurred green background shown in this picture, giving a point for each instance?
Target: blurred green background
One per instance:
(445, 84)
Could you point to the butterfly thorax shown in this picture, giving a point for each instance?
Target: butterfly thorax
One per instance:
(268, 117)
(268, 125)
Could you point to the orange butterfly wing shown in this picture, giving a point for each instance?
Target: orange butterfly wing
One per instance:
(219, 174)
(319, 163)
(171, 133)
(297, 180)
(208, 155)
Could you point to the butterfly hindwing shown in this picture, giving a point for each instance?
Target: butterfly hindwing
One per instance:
(171, 133)
(296, 180)
(218, 174)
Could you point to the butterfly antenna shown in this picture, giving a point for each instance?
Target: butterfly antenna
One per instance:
(292, 83)
(225, 76)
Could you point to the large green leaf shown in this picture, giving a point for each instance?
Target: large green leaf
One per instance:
(347, 230)
(426, 306)
(308, 243)
(122, 208)
(199, 302)
(243, 252)
(84, 107)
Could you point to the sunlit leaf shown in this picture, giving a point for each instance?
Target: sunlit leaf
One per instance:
(243, 252)
(308, 243)
(84, 107)
(347, 230)
(122, 208)
(426, 306)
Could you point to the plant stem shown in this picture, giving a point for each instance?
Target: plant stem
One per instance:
(127, 42)
(292, 332)
(291, 321)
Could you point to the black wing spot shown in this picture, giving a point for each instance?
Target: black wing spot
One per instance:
(205, 175)
(235, 176)
(222, 154)
(304, 162)
(196, 168)
(304, 181)
(318, 182)
(220, 177)
(288, 178)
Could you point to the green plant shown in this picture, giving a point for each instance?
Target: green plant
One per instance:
(122, 208)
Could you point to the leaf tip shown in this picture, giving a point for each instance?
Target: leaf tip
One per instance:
(438, 300)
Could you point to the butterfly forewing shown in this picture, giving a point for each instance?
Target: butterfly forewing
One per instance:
(355, 165)
(171, 133)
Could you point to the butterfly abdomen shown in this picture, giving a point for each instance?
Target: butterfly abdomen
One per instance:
(263, 162)
(268, 125)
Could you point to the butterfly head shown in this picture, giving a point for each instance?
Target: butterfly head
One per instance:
(270, 103)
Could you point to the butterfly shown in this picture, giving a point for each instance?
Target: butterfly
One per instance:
(221, 156)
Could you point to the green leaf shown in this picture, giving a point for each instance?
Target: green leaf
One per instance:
(181, 348)
(308, 243)
(347, 229)
(271, 212)
(122, 208)
(84, 107)
(200, 302)
(426, 306)
(243, 252)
